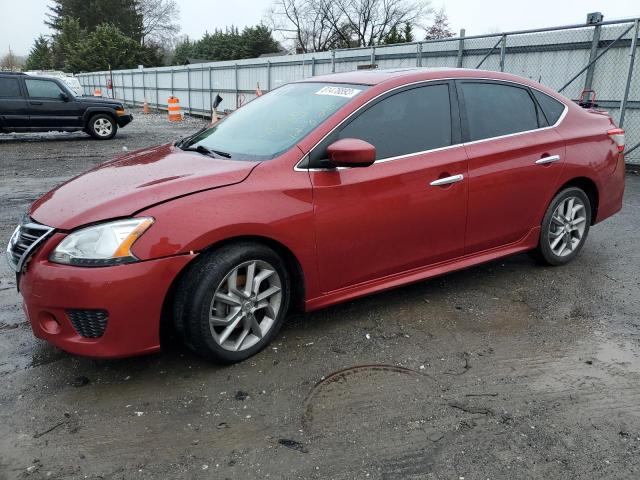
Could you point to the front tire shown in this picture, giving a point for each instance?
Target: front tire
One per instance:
(565, 227)
(102, 126)
(232, 302)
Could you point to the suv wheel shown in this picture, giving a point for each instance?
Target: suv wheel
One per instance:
(102, 127)
(565, 227)
(232, 302)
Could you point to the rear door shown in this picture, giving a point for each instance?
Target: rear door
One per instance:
(515, 159)
(47, 108)
(397, 214)
(14, 111)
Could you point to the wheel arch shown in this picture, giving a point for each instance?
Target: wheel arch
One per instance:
(589, 187)
(91, 112)
(292, 265)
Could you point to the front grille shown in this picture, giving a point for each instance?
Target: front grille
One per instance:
(25, 241)
(89, 323)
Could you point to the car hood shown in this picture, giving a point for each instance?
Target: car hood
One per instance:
(134, 182)
(107, 102)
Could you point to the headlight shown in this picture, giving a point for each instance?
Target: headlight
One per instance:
(100, 245)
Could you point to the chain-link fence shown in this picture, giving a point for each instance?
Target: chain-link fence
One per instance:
(570, 59)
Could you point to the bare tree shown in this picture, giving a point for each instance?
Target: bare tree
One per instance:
(320, 25)
(371, 20)
(11, 62)
(158, 20)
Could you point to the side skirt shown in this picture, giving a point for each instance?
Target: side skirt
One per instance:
(528, 242)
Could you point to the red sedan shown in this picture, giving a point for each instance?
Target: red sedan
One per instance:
(318, 192)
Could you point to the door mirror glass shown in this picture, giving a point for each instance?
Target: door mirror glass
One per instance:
(351, 152)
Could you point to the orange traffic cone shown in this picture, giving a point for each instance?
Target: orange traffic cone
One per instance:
(145, 107)
(97, 92)
(174, 109)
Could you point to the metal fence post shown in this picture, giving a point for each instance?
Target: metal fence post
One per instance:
(313, 66)
(419, 55)
(268, 76)
(157, 88)
(333, 61)
(373, 56)
(189, 89)
(632, 58)
(144, 87)
(503, 52)
(235, 83)
(211, 89)
(460, 48)
(172, 81)
(595, 41)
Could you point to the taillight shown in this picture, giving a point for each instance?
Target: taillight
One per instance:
(617, 135)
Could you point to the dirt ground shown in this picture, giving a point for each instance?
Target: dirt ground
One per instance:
(508, 370)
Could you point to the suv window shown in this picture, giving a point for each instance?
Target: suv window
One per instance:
(495, 109)
(406, 122)
(9, 87)
(43, 88)
(551, 107)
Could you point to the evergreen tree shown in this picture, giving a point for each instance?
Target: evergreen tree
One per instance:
(108, 47)
(408, 32)
(40, 57)
(393, 36)
(258, 40)
(184, 50)
(66, 42)
(123, 14)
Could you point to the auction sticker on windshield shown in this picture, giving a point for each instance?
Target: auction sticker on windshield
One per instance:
(339, 91)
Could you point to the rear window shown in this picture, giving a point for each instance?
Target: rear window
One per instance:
(551, 107)
(9, 87)
(496, 109)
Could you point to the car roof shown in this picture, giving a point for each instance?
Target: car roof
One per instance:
(412, 74)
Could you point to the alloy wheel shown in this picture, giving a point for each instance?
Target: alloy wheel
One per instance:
(245, 305)
(567, 226)
(102, 127)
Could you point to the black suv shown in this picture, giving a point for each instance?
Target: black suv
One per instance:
(40, 104)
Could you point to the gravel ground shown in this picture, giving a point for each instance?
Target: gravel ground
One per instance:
(507, 370)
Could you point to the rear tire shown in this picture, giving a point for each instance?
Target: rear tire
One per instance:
(102, 126)
(564, 228)
(216, 312)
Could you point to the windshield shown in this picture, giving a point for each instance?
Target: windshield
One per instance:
(273, 123)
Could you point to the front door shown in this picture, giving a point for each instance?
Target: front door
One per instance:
(48, 108)
(405, 211)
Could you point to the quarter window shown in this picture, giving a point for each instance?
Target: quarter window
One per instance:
(43, 88)
(495, 109)
(9, 87)
(407, 122)
(551, 107)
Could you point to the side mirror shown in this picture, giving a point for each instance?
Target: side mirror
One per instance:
(351, 152)
(64, 97)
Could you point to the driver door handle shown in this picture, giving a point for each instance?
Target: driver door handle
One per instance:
(447, 180)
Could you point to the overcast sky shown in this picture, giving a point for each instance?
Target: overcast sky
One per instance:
(23, 21)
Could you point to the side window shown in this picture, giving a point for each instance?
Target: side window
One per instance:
(495, 109)
(407, 122)
(551, 107)
(43, 88)
(9, 87)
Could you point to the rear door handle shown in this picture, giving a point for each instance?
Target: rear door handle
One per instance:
(447, 180)
(548, 159)
(35, 103)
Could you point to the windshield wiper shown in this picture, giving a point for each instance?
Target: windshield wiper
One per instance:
(207, 151)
